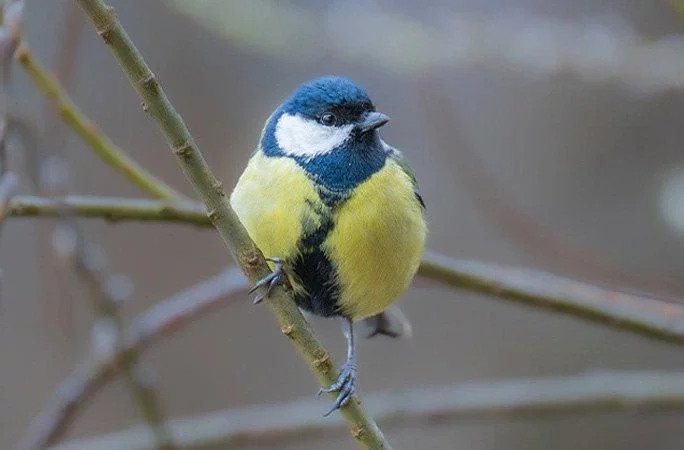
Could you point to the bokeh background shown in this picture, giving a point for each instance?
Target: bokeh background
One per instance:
(545, 134)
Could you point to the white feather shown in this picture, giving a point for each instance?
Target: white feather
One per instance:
(298, 136)
(390, 150)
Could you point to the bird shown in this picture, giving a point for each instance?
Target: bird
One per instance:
(336, 211)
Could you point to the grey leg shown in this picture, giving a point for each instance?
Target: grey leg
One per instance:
(346, 382)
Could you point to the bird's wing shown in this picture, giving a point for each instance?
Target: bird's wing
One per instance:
(401, 162)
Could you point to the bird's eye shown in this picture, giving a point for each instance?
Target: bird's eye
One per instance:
(328, 119)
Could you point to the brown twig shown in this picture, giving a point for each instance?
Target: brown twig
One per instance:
(523, 285)
(644, 315)
(163, 318)
(632, 392)
(87, 262)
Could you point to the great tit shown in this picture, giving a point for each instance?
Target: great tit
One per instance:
(335, 210)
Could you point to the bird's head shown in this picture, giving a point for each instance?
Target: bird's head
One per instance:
(322, 116)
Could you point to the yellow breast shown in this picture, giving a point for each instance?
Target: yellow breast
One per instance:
(377, 242)
(271, 201)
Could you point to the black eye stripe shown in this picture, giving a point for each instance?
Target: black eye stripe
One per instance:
(344, 113)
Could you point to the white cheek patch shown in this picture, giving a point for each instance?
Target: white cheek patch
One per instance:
(298, 136)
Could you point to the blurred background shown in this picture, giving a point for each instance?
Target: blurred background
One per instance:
(545, 134)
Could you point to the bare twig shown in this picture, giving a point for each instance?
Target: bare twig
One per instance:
(632, 392)
(172, 314)
(362, 427)
(101, 144)
(111, 209)
(9, 183)
(163, 318)
(87, 261)
(83, 255)
(10, 32)
(12, 15)
(644, 315)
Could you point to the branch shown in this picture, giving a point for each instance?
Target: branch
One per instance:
(226, 222)
(110, 208)
(179, 310)
(646, 316)
(12, 17)
(88, 265)
(643, 315)
(88, 131)
(294, 421)
(162, 319)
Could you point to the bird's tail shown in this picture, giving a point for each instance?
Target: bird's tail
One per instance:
(392, 322)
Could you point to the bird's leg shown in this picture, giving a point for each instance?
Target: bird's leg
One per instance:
(346, 382)
(271, 280)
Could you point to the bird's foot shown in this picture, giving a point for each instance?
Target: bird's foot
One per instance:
(271, 280)
(345, 385)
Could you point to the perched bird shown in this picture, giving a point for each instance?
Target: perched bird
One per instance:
(334, 209)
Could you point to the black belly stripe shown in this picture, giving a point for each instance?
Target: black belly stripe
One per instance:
(315, 271)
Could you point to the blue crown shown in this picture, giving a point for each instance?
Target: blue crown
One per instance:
(315, 96)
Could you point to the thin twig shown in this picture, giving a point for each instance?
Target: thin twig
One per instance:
(646, 316)
(89, 267)
(632, 392)
(179, 310)
(111, 208)
(643, 315)
(82, 255)
(163, 318)
(9, 184)
(212, 194)
(100, 143)
(12, 15)
(10, 32)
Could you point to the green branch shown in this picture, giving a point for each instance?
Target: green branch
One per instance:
(91, 135)
(210, 190)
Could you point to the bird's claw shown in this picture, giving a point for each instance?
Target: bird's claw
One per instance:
(271, 280)
(345, 385)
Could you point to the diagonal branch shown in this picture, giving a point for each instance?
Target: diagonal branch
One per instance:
(226, 222)
(88, 131)
(634, 392)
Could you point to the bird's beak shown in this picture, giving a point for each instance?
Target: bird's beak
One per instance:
(372, 121)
